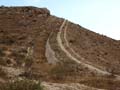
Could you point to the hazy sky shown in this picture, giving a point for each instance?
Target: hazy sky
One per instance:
(102, 16)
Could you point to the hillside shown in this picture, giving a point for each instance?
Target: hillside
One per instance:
(36, 45)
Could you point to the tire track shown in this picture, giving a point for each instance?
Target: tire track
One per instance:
(50, 53)
(68, 54)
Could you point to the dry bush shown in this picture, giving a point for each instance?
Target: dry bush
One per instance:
(63, 70)
(3, 61)
(2, 73)
(21, 85)
(1, 52)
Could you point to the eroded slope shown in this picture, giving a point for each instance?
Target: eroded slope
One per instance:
(28, 33)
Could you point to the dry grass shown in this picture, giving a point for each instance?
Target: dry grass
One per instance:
(97, 49)
(104, 83)
(21, 85)
(18, 30)
(2, 73)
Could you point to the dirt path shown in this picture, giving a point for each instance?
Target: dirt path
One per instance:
(68, 54)
(67, 43)
(89, 65)
(49, 53)
(65, 86)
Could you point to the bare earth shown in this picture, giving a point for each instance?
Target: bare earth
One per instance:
(36, 45)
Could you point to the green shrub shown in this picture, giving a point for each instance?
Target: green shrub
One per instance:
(21, 85)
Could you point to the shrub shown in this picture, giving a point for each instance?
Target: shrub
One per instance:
(63, 70)
(3, 61)
(21, 85)
(2, 73)
(58, 72)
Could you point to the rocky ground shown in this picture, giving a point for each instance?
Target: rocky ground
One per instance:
(30, 48)
(72, 86)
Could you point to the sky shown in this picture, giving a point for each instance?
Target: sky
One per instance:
(101, 16)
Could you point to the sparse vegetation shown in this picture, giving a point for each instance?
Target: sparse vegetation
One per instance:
(58, 72)
(2, 73)
(23, 34)
(1, 52)
(104, 83)
(21, 85)
(67, 69)
(2, 61)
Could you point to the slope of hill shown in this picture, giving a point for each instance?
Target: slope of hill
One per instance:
(37, 45)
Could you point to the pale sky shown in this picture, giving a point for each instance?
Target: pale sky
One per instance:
(101, 16)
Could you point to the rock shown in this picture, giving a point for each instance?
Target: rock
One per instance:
(26, 10)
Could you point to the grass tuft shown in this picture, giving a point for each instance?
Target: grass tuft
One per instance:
(21, 85)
